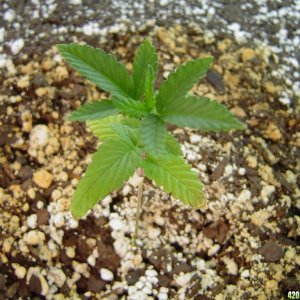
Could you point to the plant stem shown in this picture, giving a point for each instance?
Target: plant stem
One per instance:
(138, 210)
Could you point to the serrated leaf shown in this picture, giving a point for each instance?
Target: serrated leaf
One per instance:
(107, 128)
(99, 67)
(130, 107)
(181, 81)
(101, 128)
(131, 122)
(146, 55)
(113, 163)
(172, 145)
(93, 110)
(176, 177)
(125, 131)
(149, 88)
(200, 113)
(153, 134)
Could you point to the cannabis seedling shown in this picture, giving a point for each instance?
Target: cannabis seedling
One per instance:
(132, 124)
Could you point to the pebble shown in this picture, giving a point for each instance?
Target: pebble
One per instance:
(32, 221)
(59, 220)
(39, 136)
(271, 251)
(231, 265)
(247, 54)
(273, 132)
(16, 46)
(242, 171)
(116, 224)
(56, 276)
(245, 195)
(121, 246)
(245, 274)
(106, 274)
(183, 279)
(42, 178)
(34, 237)
(135, 180)
(159, 220)
(20, 271)
(213, 250)
(266, 192)
(195, 139)
(153, 232)
(259, 218)
(70, 252)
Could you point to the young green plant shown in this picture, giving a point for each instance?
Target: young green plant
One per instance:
(132, 124)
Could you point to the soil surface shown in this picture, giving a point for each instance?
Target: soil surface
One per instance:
(243, 245)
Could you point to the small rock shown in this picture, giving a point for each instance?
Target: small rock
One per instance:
(95, 285)
(183, 279)
(270, 87)
(135, 180)
(42, 217)
(245, 195)
(266, 192)
(25, 172)
(245, 274)
(42, 178)
(106, 274)
(238, 111)
(153, 232)
(32, 221)
(116, 224)
(59, 220)
(272, 132)
(213, 250)
(242, 171)
(216, 79)
(56, 276)
(195, 139)
(20, 271)
(247, 54)
(231, 265)
(34, 237)
(16, 46)
(271, 251)
(260, 217)
(159, 220)
(39, 285)
(39, 136)
(217, 230)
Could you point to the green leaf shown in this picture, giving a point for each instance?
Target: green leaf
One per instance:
(113, 163)
(176, 177)
(112, 127)
(181, 81)
(149, 88)
(125, 131)
(153, 134)
(146, 55)
(99, 67)
(93, 110)
(172, 145)
(130, 107)
(200, 113)
(101, 128)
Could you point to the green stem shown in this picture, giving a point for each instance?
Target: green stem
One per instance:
(138, 211)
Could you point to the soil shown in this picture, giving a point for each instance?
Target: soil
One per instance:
(243, 245)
